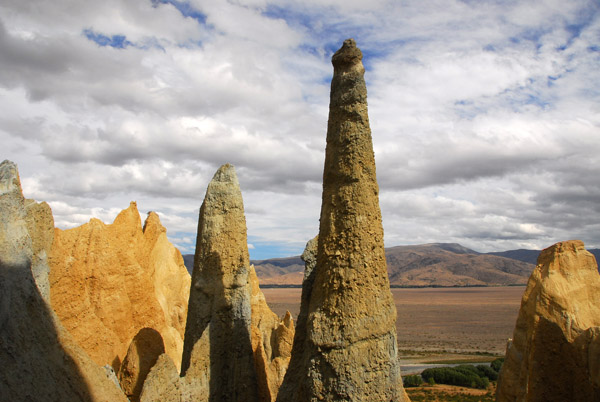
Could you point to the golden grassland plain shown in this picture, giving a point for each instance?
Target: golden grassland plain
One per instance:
(441, 326)
(450, 323)
(450, 393)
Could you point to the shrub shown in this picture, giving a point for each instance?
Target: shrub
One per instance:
(487, 371)
(463, 375)
(412, 381)
(497, 364)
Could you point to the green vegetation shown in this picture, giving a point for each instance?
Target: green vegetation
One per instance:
(464, 375)
(412, 381)
(497, 364)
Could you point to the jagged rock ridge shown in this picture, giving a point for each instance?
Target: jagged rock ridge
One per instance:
(108, 282)
(349, 351)
(555, 351)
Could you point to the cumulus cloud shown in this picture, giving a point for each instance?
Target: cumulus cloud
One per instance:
(485, 115)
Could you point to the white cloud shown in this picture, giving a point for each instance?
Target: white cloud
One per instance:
(485, 115)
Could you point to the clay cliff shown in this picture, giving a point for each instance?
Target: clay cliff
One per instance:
(349, 351)
(109, 282)
(555, 351)
(40, 359)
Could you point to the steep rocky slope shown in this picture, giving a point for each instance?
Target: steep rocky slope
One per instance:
(109, 282)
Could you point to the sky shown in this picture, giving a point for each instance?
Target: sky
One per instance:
(485, 115)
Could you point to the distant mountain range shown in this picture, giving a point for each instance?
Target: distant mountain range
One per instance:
(435, 264)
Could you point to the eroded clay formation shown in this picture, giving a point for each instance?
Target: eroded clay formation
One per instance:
(236, 348)
(349, 350)
(555, 351)
(109, 282)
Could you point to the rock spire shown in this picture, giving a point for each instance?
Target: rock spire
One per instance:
(235, 348)
(349, 351)
(219, 311)
(555, 351)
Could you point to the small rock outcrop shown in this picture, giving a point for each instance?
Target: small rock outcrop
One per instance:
(555, 351)
(107, 282)
(40, 359)
(349, 351)
(163, 383)
(142, 354)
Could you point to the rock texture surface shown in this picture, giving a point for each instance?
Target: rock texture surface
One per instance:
(349, 351)
(555, 351)
(40, 360)
(110, 281)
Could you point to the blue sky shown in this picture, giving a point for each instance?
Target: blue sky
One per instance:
(484, 114)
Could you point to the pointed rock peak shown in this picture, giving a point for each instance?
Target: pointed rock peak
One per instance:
(129, 216)
(220, 294)
(9, 177)
(288, 321)
(153, 225)
(95, 222)
(348, 350)
(226, 174)
(347, 56)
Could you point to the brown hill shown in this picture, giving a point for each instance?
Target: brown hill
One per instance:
(452, 265)
(436, 264)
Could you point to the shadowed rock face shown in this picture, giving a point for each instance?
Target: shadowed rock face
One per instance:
(40, 360)
(219, 306)
(555, 351)
(349, 351)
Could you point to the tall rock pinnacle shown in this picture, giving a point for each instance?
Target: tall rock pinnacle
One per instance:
(218, 328)
(349, 351)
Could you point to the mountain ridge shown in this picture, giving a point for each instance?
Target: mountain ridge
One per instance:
(422, 265)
